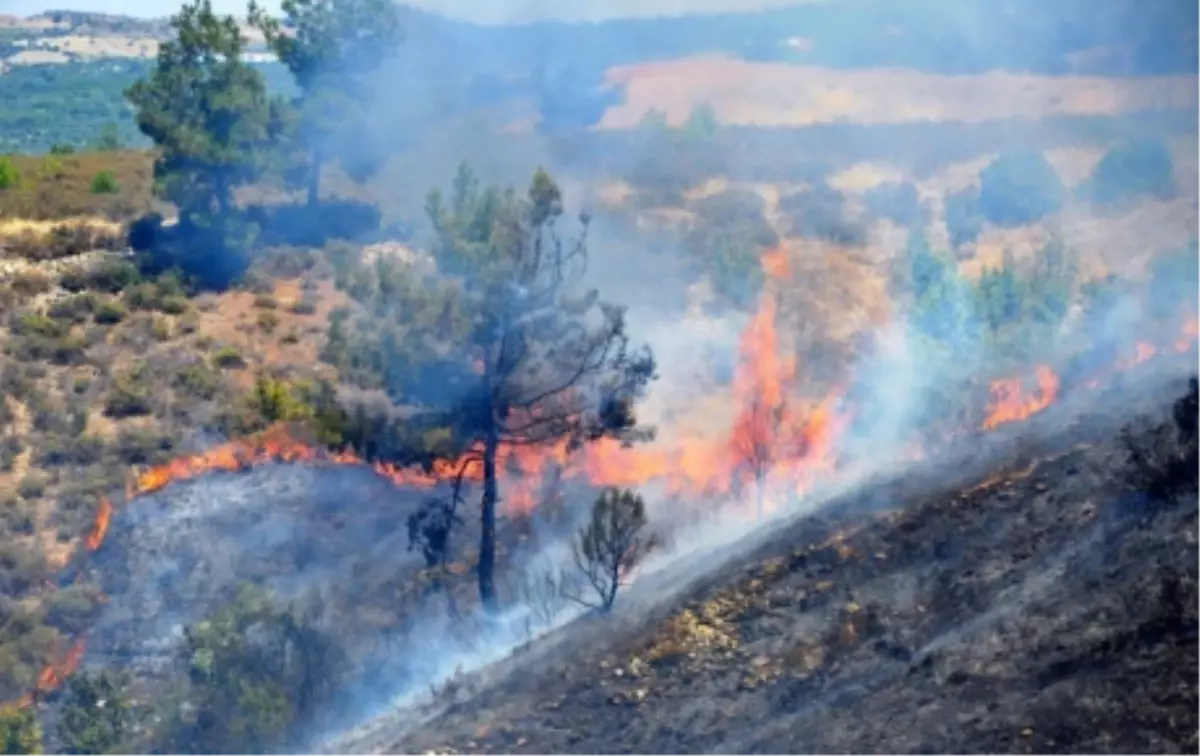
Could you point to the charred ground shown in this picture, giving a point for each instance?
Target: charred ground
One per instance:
(1031, 603)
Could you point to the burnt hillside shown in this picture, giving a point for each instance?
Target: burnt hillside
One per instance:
(1034, 604)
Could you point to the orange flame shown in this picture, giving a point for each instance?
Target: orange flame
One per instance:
(1010, 403)
(100, 527)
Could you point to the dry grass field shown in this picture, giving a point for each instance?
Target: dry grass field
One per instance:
(779, 94)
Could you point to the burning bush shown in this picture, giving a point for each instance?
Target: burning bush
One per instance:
(1163, 460)
(609, 544)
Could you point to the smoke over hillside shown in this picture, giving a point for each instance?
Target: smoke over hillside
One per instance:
(912, 296)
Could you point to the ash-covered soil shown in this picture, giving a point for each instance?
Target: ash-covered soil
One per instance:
(1028, 605)
(301, 531)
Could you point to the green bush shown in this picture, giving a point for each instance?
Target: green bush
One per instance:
(110, 312)
(105, 182)
(10, 176)
(1018, 188)
(228, 357)
(964, 219)
(198, 379)
(96, 713)
(129, 395)
(19, 731)
(254, 671)
(1131, 169)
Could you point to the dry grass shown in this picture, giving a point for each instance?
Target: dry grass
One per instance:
(779, 94)
(67, 193)
(232, 319)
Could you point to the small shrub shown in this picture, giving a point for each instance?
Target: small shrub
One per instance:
(137, 446)
(609, 544)
(110, 312)
(160, 329)
(129, 395)
(109, 276)
(105, 182)
(266, 302)
(16, 516)
(75, 309)
(10, 175)
(173, 304)
(305, 306)
(32, 486)
(56, 451)
(197, 379)
(268, 321)
(31, 283)
(228, 357)
(70, 609)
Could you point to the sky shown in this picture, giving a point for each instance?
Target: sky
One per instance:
(483, 11)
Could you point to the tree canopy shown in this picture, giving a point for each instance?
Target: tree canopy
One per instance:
(331, 47)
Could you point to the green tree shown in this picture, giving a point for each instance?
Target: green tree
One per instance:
(964, 219)
(208, 113)
(609, 544)
(19, 730)
(1053, 283)
(941, 307)
(1130, 169)
(1018, 188)
(331, 47)
(999, 294)
(702, 123)
(551, 361)
(254, 670)
(95, 714)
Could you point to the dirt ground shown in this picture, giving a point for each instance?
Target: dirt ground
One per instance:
(1027, 605)
(779, 94)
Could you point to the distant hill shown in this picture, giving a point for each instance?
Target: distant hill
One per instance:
(557, 74)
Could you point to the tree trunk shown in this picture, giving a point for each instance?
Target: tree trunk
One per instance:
(314, 177)
(487, 534)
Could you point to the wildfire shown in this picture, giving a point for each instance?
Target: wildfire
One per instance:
(100, 527)
(1010, 403)
(775, 433)
(52, 676)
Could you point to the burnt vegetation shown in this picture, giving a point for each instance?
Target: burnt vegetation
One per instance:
(1163, 460)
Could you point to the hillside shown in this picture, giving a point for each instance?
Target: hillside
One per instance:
(861, 321)
(1021, 604)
